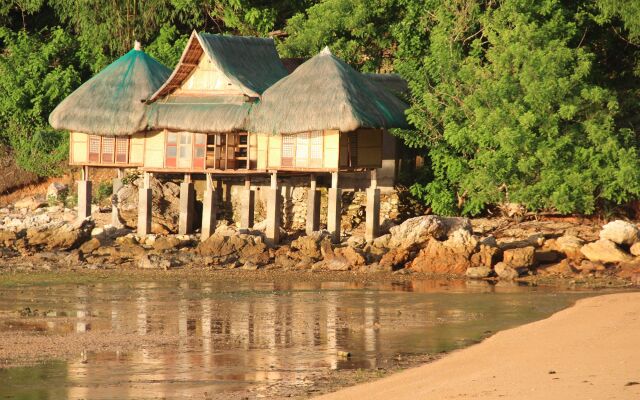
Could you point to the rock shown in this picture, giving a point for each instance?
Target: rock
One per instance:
(417, 231)
(126, 241)
(352, 256)
(486, 256)
(453, 224)
(382, 241)
(357, 242)
(309, 245)
(569, 245)
(520, 258)
(394, 259)
(240, 247)
(590, 266)
(620, 232)
(506, 272)
(478, 272)
(165, 205)
(90, 246)
(57, 191)
(30, 203)
(452, 256)
(605, 251)
(7, 238)
(164, 243)
(249, 266)
(561, 268)
(635, 249)
(61, 236)
(535, 240)
(547, 256)
(98, 232)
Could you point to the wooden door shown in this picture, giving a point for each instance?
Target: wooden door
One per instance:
(185, 150)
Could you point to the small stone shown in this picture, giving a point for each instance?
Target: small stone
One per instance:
(478, 272)
(164, 243)
(506, 272)
(90, 246)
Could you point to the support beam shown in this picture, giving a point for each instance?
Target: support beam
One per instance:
(334, 209)
(187, 206)
(313, 207)
(84, 199)
(144, 206)
(274, 205)
(117, 185)
(248, 205)
(209, 210)
(372, 223)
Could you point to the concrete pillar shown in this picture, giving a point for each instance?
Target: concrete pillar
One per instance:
(84, 199)
(372, 223)
(187, 207)
(248, 206)
(334, 209)
(219, 191)
(209, 210)
(313, 207)
(274, 205)
(117, 185)
(144, 207)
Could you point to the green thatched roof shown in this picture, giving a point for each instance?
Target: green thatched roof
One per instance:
(326, 93)
(198, 114)
(111, 103)
(394, 83)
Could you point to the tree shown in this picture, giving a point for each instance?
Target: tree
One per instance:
(507, 105)
(36, 75)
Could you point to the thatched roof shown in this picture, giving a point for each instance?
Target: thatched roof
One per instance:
(250, 63)
(111, 103)
(394, 83)
(326, 93)
(219, 114)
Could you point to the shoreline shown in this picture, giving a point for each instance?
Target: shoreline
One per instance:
(588, 350)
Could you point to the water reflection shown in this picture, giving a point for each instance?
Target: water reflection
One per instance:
(254, 335)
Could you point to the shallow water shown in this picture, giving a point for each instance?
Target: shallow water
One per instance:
(250, 337)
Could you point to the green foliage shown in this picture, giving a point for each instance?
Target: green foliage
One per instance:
(36, 75)
(507, 106)
(103, 192)
(356, 30)
(168, 46)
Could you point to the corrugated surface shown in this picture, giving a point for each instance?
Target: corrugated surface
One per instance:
(110, 103)
(326, 93)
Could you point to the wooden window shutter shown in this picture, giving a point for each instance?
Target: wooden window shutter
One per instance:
(288, 150)
(94, 148)
(171, 151)
(199, 150)
(122, 149)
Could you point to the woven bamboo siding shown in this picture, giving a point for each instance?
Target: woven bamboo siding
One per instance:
(78, 148)
(206, 78)
(331, 148)
(154, 150)
(136, 149)
(274, 151)
(253, 150)
(262, 150)
(369, 148)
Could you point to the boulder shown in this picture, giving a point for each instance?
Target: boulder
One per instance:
(478, 272)
(635, 249)
(520, 258)
(62, 236)
(90, 246)
(569, 245)
(620, 232)
(165, 205)
(57, 191)
(309, 245)
(241, 247)
(562, 268)
(30, 203)
(7, 238)
(351, 255)
(394, 259)
(605, 251)
(506, 272)
(453, 256)
(486, 256)
(417, 231)
(164, 243)
(590, 266)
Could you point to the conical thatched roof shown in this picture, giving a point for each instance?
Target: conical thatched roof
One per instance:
(326, 93)
(111, 103)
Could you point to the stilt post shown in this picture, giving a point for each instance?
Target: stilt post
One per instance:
(274, 205)
(117, 185)
(313, 207)
(187, 206)
(84, 194)
(144, 206)
(248, 205)
(209, 210)
(372, 223)
(334, 208)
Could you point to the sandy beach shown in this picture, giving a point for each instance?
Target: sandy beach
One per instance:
(588, 351)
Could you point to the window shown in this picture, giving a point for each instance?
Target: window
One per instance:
(94, 148)
(171, 151)
(108, 149)
(302, 149)
(185, 150)
(288, 150)
(316, 145)
(122, 149)
(199, 150)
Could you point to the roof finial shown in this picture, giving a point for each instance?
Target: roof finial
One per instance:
(325, 51)
(137, 46)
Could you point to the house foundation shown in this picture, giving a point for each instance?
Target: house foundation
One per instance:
(144, 207)
(187, 207)
(334, 208)
(209, 210)
(117, 185)
(372, 211)
(248, 206)
(274, 205)
(313, 207)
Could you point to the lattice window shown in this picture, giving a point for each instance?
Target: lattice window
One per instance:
(288, 150)
(316, 145)
(108, 149)
(171, 151)
(122, 149)
(94, 148)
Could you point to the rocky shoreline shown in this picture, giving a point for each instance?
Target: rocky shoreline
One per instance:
(35, 235)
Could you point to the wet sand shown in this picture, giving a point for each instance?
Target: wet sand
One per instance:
(588, 351)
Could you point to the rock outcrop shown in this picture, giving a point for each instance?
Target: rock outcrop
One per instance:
(165, 204)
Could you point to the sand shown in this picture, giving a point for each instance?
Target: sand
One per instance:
(588, 351)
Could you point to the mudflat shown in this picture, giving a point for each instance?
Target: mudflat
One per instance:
(588, 351)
